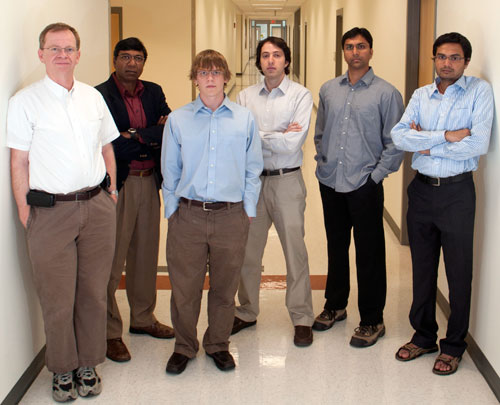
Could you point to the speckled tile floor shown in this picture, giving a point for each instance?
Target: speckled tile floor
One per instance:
(270, 369)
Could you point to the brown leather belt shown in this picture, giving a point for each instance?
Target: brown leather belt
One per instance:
(277, 172)
(439, 181)
(141, 173)
(79, 196)
(209, 206)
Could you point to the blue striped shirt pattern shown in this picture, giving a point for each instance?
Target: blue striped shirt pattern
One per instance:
(468, 103)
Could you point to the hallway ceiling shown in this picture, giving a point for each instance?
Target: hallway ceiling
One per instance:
(268, 8)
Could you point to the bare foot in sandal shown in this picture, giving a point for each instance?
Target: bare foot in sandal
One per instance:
(411, 351)
(446, 364)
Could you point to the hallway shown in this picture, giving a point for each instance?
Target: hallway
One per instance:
(270, 369)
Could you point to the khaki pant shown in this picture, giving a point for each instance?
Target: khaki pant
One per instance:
(282, 201)
(71, 247)
(137, 238)
(193, 237)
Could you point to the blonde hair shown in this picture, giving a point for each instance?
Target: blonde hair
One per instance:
(58, 27)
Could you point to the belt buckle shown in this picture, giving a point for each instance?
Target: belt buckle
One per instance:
(438, 182)
(80, 196)
(204, 206)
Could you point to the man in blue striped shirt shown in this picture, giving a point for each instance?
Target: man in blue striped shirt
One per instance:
(211, 161)
(447, 125)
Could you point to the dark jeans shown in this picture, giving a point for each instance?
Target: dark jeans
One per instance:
(361, 210)
(441, 217)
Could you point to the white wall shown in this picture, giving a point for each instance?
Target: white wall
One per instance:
(21, 334)
(482, 30)
(388, 61)
(215, 29)
(164, 26)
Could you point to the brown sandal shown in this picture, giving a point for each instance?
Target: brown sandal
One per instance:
(449, 361)
(414, 351)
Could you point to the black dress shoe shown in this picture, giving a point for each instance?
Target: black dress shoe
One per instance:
(177, 363)
(223, 360)
(240, 324)
(303, 336)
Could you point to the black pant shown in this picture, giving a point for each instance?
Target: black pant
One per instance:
(362, 210)
(441, 217)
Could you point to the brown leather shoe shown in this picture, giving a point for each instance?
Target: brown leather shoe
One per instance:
(157, 330)
(240, 324)
(223, 360)
(117, 351)
(177, 363)
(303, 336)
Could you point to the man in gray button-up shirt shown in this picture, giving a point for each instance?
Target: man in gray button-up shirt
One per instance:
(355, 153)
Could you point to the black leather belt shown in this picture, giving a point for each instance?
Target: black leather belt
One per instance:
(209, 206)
(278, 171)
(79, 196)
(439, 181)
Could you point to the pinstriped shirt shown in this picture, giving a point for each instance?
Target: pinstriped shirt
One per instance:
(468, 103)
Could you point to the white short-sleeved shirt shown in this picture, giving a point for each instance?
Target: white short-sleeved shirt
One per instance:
(64, 132)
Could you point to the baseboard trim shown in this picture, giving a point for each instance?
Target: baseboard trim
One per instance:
(17, 392)
(478, 357)
(392, 224)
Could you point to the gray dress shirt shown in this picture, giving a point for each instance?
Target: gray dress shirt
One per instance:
(353, 131)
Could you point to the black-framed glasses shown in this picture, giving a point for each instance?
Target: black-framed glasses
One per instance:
(452, 58)
(125, 57)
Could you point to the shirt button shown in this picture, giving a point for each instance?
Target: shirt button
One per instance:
(345, 118)
(343, 133)
(212, 148)
(342, 147)
(211, 182)
(213, 131)
(348, 103)
(211, 165)
(340, 163)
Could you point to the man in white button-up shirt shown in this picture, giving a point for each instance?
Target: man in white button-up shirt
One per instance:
(59, 131)
(282, 109)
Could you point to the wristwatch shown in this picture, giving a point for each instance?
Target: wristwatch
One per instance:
(133, 133)
(114, 192)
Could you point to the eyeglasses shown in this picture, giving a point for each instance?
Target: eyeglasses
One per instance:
(55, 50)
(360, 47)
(452, 58)
(125, 57)
(214, 73)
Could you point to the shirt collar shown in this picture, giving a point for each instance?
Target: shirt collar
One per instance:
(283, 87)
(60, 91)
(366, 79)
(139, 88)
(461, 83)
(198, 104)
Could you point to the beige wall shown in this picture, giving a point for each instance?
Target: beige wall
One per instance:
(481, 29)
(165, 28)
(388, 61)
(22, 335)
(215, 29)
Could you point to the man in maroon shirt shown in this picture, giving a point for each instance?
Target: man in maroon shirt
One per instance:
(140, 112)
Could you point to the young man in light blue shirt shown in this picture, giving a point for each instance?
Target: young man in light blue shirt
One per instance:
(211, 162)
(447, 125)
